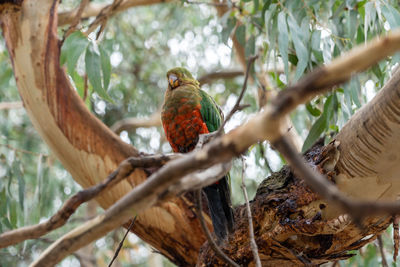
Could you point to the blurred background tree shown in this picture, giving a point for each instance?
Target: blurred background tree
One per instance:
(134, 52)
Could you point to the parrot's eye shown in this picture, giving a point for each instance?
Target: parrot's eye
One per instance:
(173, 81)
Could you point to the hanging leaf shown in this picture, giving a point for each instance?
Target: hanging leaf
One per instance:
(315, 132)
(391, 15)
(13, 214)
(17, 171)
(241, 35)
(105, 67)
(72, 49)
(227, 30)
(299, 46)
(93, 70)
(250, 46)
(283, 41)
(316, 46)
(320, 124)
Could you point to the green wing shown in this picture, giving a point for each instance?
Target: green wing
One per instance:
(210, 111)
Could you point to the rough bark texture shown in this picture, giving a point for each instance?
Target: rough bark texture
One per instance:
(84, 145)
(292, 225)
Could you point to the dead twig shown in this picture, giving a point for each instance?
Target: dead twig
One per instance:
(214, 246)
(396, 236)
(237, 106)
(71, 205)
(253, 243)
(380, 245)
(122, 242)
(102, 18)
(76, 19)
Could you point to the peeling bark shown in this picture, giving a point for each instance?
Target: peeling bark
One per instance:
(83, 144)
(293, 225)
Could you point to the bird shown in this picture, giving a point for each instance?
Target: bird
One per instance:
(188, 112)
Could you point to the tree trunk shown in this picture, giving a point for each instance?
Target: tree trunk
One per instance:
(83, 144)
(292, 224)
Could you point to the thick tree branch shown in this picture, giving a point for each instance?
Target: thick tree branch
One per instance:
(265, 125)
(72, 204)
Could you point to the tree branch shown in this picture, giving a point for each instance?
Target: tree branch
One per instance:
(131, 124)
(217, 250)
(265, 125)
(210, 77)
(253, 243)
(11, 105)
(237, 105)
(72, 204)
(94, 9)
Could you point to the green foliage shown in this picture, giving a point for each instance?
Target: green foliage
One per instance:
(126, 73)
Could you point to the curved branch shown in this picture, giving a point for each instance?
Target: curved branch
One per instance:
(265, 125)
(94, 9)
(131, 124)
(72, 204)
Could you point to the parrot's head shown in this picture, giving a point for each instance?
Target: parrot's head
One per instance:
(180, 76)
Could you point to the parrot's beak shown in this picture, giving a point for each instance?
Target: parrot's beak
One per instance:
(173, 81)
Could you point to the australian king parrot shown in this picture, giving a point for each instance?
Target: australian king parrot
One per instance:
(188, 112)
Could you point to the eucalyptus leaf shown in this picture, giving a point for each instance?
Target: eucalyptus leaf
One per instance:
(315, 132)
(283, 41)
(241, 34)
(301, 50)
(93, 70)
(105, 67)
(250, 46)
(391, 15)
(72, 48)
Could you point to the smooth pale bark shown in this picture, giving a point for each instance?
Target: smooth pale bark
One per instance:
(84, 145)
(90, 151)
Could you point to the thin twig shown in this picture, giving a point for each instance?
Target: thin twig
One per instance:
(76, 19)
(396, 236)
(237, 105)
(20, 150)
(85, 87)
(380, 245)
(11, 105)
(253, 243)
(122, 242)
(214, 246)
(207, 3)
(102, 18)
(73, 203)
